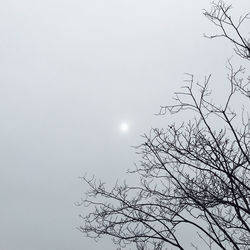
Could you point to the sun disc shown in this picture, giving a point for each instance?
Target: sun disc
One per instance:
(124, 127)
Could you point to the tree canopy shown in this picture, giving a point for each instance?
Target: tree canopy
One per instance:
(194, 173)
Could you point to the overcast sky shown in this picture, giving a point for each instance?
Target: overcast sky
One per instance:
(71, 72)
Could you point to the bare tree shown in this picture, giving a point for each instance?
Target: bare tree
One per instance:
(195, 174)
(228, 28)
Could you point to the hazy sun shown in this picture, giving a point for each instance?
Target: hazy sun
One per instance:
(124, 127)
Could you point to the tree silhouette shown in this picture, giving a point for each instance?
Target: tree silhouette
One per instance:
(195, 174)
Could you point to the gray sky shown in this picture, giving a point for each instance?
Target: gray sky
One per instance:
(70, 73)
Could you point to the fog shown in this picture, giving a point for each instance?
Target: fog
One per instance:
(70, 73)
